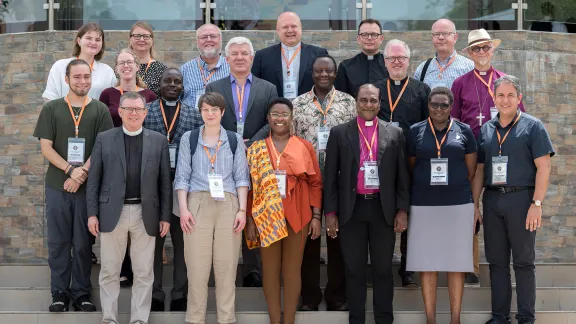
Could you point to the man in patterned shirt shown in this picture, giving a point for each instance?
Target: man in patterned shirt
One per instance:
(315, 112)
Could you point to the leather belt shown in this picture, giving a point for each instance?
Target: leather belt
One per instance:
(132, 201)
(507, 189)
(369, 196)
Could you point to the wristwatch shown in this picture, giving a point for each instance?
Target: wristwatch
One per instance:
(537, 203)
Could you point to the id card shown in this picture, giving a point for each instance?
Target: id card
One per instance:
(281, 176)
(323, 134)
(76, 148)
(199, 93)
(397, 124)
(290, 89)
(172, 151)
(216, 184)
(438, 172)
(240, 128)
(499, 169)
(371, 179)
(493, 112)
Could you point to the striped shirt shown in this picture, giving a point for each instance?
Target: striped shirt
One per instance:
(460, 66)
(192, 171)
(194, 82)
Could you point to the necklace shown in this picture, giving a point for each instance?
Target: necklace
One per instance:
(480, 115)
(76, 111)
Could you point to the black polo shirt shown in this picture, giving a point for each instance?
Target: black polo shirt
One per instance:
(527, 141)
(422, 145)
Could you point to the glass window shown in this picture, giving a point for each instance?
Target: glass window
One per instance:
(551, 16)
(18, 16)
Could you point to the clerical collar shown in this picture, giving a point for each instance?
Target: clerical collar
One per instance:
(367, 123)
(291, 48)
(129, 133)
(170, 103)
(370, 57)
(484, 72)
(399, 82)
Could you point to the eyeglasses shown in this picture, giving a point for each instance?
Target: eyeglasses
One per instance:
(131, 110)
(369, 35)
(122, 63)
(140, 36)
(438, 105)
(210, 111)
(443, 34)
(476, 49)
(277, 115)
(206, 37)
(392, 59)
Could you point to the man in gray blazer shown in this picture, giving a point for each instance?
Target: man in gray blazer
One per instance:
(129, 192)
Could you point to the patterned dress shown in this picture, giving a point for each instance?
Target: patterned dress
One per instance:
(152, 76)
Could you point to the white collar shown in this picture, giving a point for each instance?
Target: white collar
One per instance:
(129, 133)
(291, 48)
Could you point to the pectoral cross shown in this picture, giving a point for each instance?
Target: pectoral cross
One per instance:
(76, 117)
(480, 119)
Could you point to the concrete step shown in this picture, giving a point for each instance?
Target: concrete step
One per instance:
(38, 275)
(253, 300)
(262, 318)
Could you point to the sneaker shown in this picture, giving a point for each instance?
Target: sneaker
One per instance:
(83, 304)
(60, 303)
(471, 279)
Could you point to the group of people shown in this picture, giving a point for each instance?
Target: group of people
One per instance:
(250, 152)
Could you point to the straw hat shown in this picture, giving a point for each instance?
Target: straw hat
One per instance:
(480, 36)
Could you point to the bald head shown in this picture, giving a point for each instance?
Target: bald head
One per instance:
(289, 28)
(444, 23)
(444, 37)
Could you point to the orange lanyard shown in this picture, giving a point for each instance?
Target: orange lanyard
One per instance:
(501, 140)
(169, 129)
(91, 65)
(371, 144)
(289, 62)
(76, 120)
(393, 106)
(205, 79)
(486, 84)
(212, 158)
(122, 91)
(324, 112)
(240, 97)
(439, 145)
(278, 154)
(444, 68)
(148, 66)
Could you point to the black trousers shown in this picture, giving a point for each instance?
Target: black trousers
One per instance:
(367, 230)
(403, 251)
(335, 291)
(69, 243)
(504, 231)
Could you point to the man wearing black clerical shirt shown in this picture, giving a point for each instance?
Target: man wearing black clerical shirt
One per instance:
(171, 117)
(403, 102)
(367, 66)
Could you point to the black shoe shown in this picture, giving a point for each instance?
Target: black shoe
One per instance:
(492, 321)
(409, 282)
(337, 307)
(471, 279)
(157, 305)
(125, 282)
(253, 280)
(179, 305)
(308, 308)
(83, 304)
(94, 258)
(60, 303)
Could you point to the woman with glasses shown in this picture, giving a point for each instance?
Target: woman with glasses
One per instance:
(285, 208)
(126, 67)
(442, 159)
(142, 43)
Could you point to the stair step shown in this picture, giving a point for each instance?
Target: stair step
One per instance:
(253, 300)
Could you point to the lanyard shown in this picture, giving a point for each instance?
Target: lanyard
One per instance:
(91, 65)
(122, 91)
(439, 145)
(240, 97)
(501, 140)
(393, 106)
(76, 120)
(486, 84)
(289, 62)
(148, 66)
(371, 144)
(205, 79)
(442, 69)
(212, 158)
(278, 154)
(324, 112)
(169, 129)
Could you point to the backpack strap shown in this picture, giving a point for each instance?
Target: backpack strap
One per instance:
(232, 140)
(425, 69)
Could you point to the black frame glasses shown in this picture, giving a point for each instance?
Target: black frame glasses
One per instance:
(392, 59)
(141, 36)
(369, 35)
(476, 49)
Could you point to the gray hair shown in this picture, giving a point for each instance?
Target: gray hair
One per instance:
(239, 41)
(397, 42)
(509, 79)
(132, 95)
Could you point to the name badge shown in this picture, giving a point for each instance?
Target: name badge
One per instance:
(172, 151)
(499, 169)
(438, 172)
(216, 184)
(281, 176)
(199, 93)
(290, 89)
(76, 148)
(493, 112)
(323, 134)
(371, 179)
(397, 124)
(240, 128)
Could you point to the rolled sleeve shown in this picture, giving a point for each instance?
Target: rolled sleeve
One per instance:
(241, 171)
(184, 167)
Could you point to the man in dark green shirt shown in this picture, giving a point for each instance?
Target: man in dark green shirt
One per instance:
(67, 129)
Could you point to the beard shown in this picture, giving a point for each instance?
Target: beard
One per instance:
(210, 52)
(80, 92)
(483, 60)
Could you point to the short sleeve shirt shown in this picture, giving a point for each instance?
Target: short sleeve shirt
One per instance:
(527, 141)
(422, 145)
(55, 124)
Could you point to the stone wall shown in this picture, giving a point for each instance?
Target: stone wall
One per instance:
(545, 62)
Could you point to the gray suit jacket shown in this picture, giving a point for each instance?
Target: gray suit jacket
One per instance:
(106, 187)
(262, 93)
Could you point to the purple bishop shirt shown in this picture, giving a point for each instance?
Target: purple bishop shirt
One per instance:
(244, 99)
(467, 89)
(365, 153)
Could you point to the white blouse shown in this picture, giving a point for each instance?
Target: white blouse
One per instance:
(56, 87)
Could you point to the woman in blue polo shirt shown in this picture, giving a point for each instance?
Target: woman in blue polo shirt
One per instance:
(442, 158)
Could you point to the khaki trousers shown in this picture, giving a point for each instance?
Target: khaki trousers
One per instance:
(113, 248)
(213, 242)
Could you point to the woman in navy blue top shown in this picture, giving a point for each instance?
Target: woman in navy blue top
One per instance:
(442, 159)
